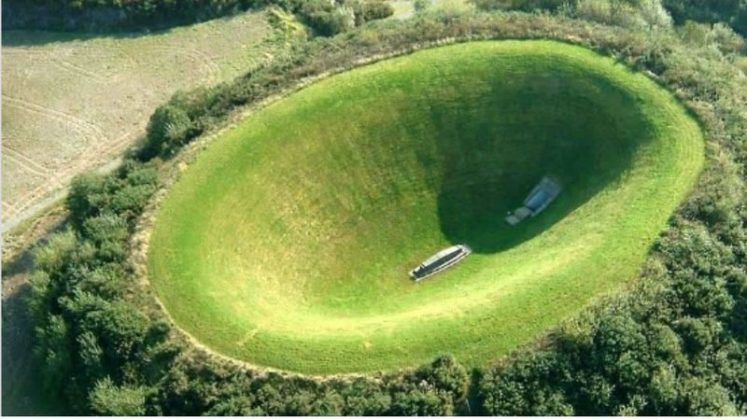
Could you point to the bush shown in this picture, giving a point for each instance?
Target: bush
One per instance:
(108, 399)
(86, 196)
(109, 233)
(369, 10)
(123, 193)
(167, 130)
(626, 13)
(327, 18)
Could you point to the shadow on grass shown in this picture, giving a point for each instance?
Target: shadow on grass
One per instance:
(492, 167)
(19, 265)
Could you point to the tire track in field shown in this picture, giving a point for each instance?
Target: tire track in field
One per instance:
(65, 118)
(99, 149)
(24, 161)
(90, 133)
(134, 66)
(95, 151)
(57, 55)
(75, 69)
(7, 206)
(60, 63)
(24, 52)
(116, 52)
(8, 211)
(213, 70)
(81, 163)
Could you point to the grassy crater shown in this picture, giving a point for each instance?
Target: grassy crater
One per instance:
(287, 243)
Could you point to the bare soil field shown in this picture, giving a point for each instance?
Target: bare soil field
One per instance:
(73, 102)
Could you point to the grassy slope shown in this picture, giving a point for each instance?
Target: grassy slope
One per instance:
(287, 243)
(72, 102)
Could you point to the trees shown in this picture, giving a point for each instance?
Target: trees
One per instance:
(85, 197)
(108, 15)
(324, 16)
(53, 351)
(446, 374)
(87, 334)
(642, 14)
(120, 329)
(122, 194)
(331, 17)
(670, 349)
(732, 12)
(368, 10)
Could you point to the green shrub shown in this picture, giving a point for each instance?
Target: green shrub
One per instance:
(327, 18)
(368, 10)
(86, 196)
(108, 399)
(167, 129)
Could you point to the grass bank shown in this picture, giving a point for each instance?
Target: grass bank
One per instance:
(287, 243)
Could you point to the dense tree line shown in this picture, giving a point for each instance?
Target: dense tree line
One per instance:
(674, 344)
(89, 338)
(439, 388)
(635, 13)
(112, 15)
(732, 12)
(676, 347)
(324, 17)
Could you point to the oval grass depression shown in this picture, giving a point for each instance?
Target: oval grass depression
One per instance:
(288, 242)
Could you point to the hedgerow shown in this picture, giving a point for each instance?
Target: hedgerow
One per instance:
(325, 17)
(676, 343)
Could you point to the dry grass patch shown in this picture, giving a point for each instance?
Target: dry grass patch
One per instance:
(71, 103)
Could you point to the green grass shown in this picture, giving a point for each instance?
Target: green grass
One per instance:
(287, 243)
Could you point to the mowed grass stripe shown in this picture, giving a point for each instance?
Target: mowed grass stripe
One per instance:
(287, 243)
